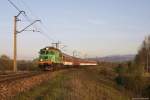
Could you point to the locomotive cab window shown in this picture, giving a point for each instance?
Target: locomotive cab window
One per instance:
(42, 52)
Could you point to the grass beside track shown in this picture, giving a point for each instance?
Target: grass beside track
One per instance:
(75, 84)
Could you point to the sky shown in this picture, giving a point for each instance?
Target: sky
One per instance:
(90, 27)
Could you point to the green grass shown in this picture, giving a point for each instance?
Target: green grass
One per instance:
(54, 89)
(75, 84)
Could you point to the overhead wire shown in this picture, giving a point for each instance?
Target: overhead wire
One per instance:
(30, 20)
(43, 27)
(14, 5)
(42, 32)
(41, 23)
(33, 14)
(18, 9)
(26, 16)
(26, 5)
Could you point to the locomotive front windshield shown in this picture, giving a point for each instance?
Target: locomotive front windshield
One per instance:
(43, 55)
(47, 52)
(43, 52)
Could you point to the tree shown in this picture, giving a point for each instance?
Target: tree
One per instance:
(120, 70)
(4, 57)
(5, 63)
(143, 57)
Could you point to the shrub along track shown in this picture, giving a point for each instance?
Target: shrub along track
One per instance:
(75, 84)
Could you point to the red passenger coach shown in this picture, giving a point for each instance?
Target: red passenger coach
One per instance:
(70, 60)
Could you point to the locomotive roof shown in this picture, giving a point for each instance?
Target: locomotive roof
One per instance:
(51, 48)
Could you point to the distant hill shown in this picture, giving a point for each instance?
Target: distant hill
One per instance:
(115, 58)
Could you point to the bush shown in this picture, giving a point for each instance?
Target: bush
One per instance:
(27, 65)
(120, 80)
(120, 69)
(146, 92)
(7, 64)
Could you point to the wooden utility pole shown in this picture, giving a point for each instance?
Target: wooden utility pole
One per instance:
(16, 19)
(15, 40)
(15, 37)
(15, 44)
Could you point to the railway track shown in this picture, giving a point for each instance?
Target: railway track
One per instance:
(11, 76)
(16, 76)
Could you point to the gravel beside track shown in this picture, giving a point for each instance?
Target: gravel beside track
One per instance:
(15, 76)
(10, 86)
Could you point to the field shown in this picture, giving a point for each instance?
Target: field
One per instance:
(87, 83)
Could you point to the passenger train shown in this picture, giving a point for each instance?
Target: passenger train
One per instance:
(51, 58)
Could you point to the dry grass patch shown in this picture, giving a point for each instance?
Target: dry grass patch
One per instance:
(74, 84)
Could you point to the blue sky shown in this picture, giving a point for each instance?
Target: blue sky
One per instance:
(92, 27)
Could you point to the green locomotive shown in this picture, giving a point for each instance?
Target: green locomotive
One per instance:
(49, 57)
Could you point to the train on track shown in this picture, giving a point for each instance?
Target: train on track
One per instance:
(51, 58)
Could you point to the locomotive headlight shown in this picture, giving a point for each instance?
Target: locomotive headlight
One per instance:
(47, 48)
(41, 59)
